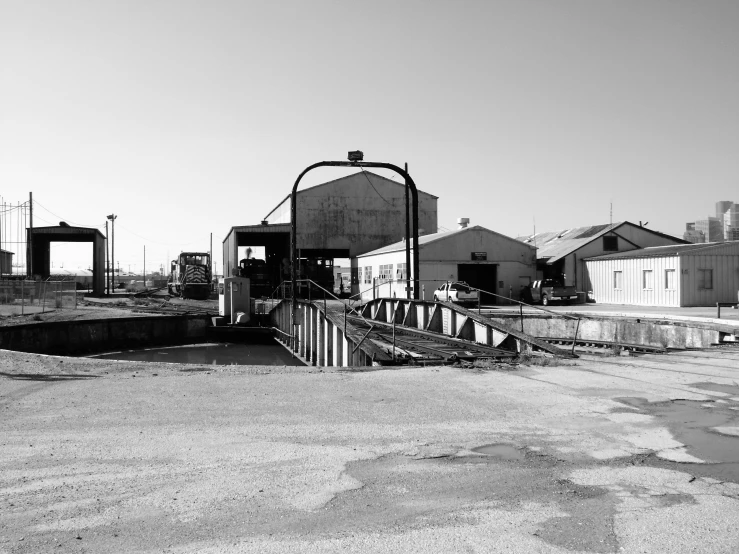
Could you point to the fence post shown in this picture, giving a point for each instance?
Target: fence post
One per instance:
(520, 306)
(574, 341)
(23, 297)
(43, 309)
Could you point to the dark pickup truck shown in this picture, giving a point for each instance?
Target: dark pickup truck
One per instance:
(547, 291)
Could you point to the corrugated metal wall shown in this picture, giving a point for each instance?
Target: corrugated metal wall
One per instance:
(725, 283)
(632, 289)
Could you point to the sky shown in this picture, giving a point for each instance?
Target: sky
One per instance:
(185, 118)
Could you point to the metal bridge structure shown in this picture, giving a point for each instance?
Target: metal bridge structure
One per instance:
(394, 331)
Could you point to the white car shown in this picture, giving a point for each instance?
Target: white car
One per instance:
(458, 292)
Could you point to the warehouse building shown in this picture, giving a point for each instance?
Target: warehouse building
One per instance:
(680, 276)
(562, 252)
(335, 220)
(482, 258)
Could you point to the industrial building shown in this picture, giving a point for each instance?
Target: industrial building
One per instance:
(561, 253)
(338, 219)
(680, 276)
(6, 262)
(483, 258)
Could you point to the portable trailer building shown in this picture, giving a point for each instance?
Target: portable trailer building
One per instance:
(680, 276)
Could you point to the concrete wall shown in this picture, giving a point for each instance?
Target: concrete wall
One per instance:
(352, 214)
(102, 335)
(623, 331)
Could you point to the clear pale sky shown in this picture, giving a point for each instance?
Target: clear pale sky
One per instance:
(185, 118)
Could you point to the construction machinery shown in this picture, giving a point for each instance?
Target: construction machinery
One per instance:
(190, 276)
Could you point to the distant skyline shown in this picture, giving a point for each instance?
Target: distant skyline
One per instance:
(185, 118)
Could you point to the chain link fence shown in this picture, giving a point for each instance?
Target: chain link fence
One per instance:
(18, 296)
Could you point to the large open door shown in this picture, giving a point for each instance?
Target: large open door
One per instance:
(481, 276)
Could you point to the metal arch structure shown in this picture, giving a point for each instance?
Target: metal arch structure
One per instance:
(293, 221)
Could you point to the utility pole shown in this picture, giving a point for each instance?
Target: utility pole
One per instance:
(112, 218)
(107, 260)
(29, 255)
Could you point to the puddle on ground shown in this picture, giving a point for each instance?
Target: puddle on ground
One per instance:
(691, 422)
(715, 387)
(211, 354)
(501, 451)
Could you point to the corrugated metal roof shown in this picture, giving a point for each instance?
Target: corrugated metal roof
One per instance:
(427, 239)
(553, 245)
(673, 250)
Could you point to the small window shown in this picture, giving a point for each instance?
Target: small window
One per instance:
(670, 279)
(400, 272)
(647, 279)
(610, 243)
(386, 272)
(618, 280)
(368, 275)
(705, 279)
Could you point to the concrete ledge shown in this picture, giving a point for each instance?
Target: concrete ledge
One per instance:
(100, 335)
(625, 328)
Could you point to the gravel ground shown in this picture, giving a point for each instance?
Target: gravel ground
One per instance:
(105, 456)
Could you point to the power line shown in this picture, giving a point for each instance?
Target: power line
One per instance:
(76, 224)
(373, 186)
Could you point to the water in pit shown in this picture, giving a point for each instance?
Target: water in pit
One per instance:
(211, 354)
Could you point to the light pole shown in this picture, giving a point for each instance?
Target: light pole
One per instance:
(112, 218)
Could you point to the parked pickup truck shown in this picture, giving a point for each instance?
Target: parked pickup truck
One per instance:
(458, 292)
(547, 291)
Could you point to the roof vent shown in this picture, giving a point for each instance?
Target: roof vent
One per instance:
(463, 222)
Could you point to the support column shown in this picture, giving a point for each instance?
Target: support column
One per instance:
(314, 319)
(330, 331)
(321, 339)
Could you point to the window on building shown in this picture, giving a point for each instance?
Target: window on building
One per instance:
(705, 279)
(670, 279)
(386, 272)
(610, 243)
(647, 279)
(400, 272)
(368, 275)
(618, 280)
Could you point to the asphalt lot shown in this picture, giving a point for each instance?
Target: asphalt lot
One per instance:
(105, 456)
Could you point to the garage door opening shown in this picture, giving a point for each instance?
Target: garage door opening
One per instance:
(481, 276)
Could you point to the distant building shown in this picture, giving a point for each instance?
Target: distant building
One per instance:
(731, 222)
(722, 206)
(6, 262)
(692, 235)
(715, 229)
(712, 229)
